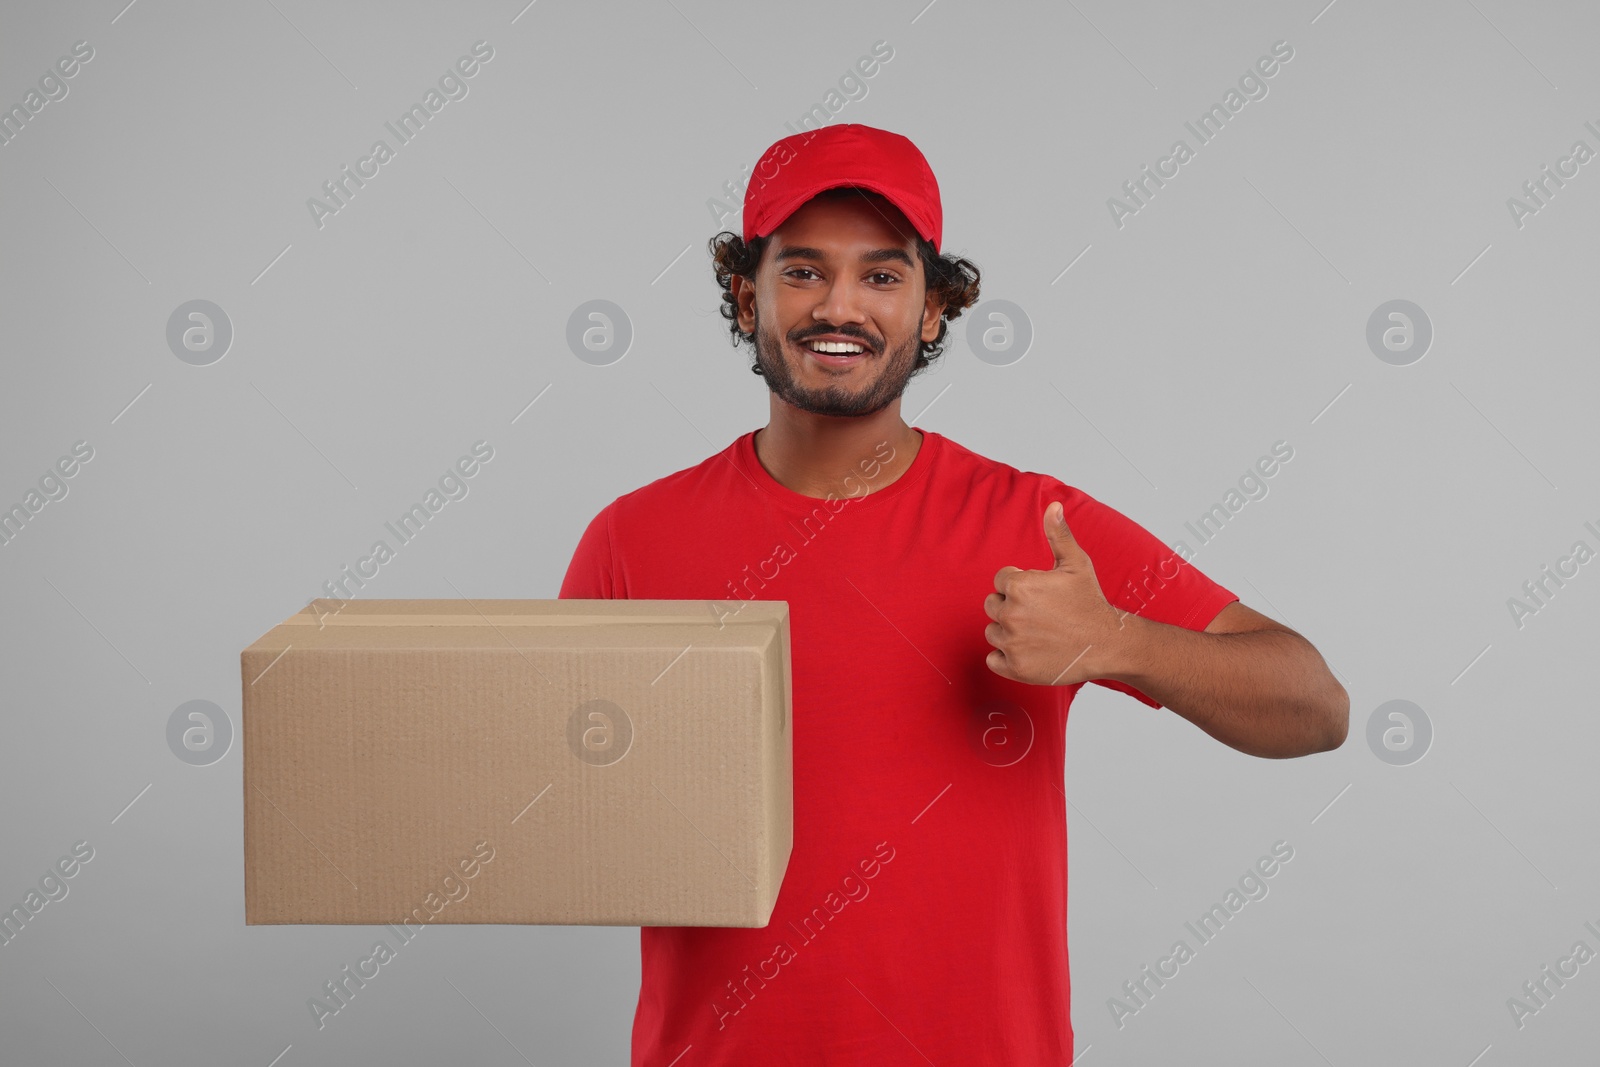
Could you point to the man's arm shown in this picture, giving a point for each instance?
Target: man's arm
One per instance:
(1250, 682)
(1246, 680)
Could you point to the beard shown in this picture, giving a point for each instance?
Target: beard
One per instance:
(895, 367)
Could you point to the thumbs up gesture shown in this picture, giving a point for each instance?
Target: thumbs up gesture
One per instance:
(1051, 627)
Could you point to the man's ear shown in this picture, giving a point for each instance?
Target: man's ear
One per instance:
(744, 295)
(744, 299)
(931, 311)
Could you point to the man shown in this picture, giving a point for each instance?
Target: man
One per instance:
(944, 608)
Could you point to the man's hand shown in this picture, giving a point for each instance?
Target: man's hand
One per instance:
(1051, 627)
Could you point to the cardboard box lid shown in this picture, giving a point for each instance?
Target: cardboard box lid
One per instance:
(620, 762)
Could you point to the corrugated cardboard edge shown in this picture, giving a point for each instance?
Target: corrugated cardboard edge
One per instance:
(779, 676)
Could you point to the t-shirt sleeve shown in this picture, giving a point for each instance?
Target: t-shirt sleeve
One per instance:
(591, 569)
(1140, 574)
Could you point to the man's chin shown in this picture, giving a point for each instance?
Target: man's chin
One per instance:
(828, 401)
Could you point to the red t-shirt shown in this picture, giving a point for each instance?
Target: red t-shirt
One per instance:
(923, 914)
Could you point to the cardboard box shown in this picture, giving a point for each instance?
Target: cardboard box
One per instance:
(606, 762)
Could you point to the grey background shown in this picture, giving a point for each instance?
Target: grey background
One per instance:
(430, 312)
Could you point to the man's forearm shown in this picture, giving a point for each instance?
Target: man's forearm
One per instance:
(1264, 692)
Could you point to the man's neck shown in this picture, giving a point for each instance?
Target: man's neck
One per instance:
(816, 455)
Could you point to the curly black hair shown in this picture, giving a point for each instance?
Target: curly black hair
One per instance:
(951, 280)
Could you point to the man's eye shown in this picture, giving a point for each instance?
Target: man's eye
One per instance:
(800, 270)
(886, 276)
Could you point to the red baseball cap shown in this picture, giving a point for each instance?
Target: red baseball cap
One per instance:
(802, 165)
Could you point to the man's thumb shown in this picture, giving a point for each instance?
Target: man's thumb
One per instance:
(1059, 534)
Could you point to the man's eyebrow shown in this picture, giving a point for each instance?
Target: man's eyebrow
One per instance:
(876, 255)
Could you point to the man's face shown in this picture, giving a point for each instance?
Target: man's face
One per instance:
(841, 268)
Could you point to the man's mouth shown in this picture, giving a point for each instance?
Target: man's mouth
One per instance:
(836, 353)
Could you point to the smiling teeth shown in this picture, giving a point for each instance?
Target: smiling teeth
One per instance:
(835, 347)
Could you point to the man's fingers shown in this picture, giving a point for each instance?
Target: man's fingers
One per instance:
(996, 662)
